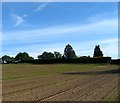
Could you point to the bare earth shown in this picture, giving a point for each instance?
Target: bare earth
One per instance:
(62, 87)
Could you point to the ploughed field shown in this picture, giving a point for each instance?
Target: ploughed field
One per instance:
(60, 82)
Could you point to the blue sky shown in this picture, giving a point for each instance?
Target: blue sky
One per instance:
(49, 26)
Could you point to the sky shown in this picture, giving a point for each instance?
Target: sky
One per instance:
(35, 27)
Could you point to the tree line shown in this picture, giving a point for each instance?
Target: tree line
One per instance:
(69, 53)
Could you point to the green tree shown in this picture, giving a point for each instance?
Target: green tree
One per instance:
(97, 52)
(69, 53)
(23, 56)
(46, 55)
(57, 55)
(7, 58)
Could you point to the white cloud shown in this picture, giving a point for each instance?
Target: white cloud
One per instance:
(97, 28)
(42, 6)
(25, 15)
(18, 19)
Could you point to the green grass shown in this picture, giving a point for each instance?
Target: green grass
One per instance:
(20, 71)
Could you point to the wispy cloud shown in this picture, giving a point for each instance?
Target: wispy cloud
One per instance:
(104, 15)
(42, 6)
(18, 19)
(25, 15)
(63, 31)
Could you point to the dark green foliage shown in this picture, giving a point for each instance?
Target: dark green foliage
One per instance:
(57, 55)
(115, 61)
(7, 59)
(46, 55)
(31, 58)
(76, 60)
(97, 52)
(23, 56)
(69, 53)
(85, 57)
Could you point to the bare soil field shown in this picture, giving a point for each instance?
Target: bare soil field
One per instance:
(60, 82)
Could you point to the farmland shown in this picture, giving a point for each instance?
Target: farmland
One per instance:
(60, 82)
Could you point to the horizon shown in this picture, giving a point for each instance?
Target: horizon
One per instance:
(60, 53)
(50, 26)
